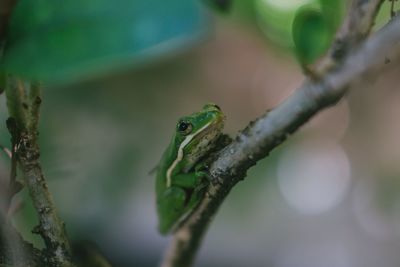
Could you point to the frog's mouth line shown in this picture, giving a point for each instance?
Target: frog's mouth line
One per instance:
(211, 127)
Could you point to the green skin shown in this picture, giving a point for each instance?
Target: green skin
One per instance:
(180, 180)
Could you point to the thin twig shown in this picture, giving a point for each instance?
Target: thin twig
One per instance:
(270, 130)
(6, 150)
(12, 183)
(24, 109)
(355, 28)
(35, 99)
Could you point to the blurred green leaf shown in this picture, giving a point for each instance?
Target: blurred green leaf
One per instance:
(63, 40)
(275, 20)
(312, 34)
(306, 27)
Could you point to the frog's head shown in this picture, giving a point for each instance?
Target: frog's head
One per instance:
(197, 133)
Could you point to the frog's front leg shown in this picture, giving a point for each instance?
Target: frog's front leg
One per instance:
(189, 180)
(201, 170)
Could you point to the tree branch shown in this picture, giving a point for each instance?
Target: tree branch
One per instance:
(261, 136)
(24, 112)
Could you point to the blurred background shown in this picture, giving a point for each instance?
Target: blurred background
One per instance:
(117, 77)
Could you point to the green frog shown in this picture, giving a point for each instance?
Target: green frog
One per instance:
(181, 177)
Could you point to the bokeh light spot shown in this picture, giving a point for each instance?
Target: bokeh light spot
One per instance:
(314, 176)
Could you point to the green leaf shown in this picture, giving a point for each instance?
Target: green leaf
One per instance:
(58, 41)
(312, 34)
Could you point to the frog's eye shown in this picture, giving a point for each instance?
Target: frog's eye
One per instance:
(184, 127)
